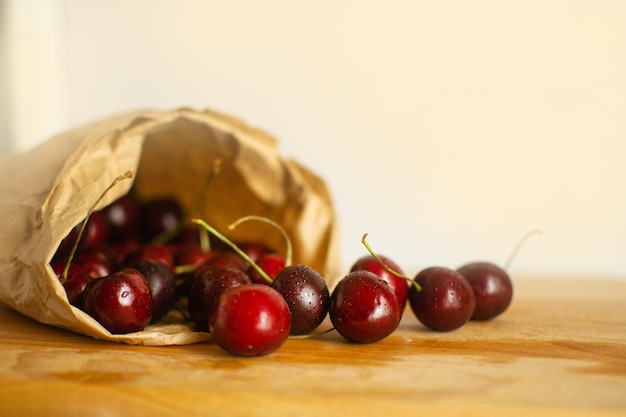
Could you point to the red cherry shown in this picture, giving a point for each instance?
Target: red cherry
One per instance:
(75, 282)
(492, 288)
(363, 309)
(121, 302)
(446, 301)
(207, 288)
(398, 285)
(271, 264)
(251, 320)
(123, 217)
(157, 253)
(307, 296)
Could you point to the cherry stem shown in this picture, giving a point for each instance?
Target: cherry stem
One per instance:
(518, 247)
(205, 242)
(310, 335)
(289, 249)
(125, 176)
(386, 267)
(234, 247)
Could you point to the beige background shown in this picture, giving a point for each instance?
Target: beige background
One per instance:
(446, 130)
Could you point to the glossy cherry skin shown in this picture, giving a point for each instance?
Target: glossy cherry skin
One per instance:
(157, 253)
(306, 294)
(162, 283)
(75, 283)
(120, 302)
(271, 264)
(399, 286)
(159, 215)
(492, 288)
(446, 301)
(123, 217)
(251, 320)
(363, 309)
(207, 288)
(94, 263)
(95, 234)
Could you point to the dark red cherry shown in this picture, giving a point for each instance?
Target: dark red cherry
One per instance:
(228, 259)
(96, 233)
(206, 289)
(399, 286)
(254, 250)
(95, 264)
(160, 215)
(446, 301)
(251, 320)
(271, 264)
(120, 302)
(363, 308)
(75, 283)
(306, 294)
(157, 253)
(492, 288)
(162, 283)
(123, 217)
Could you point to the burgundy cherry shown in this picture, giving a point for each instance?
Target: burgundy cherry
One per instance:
(251, 320)
(399, 286)
(446, 301)
(157, 253)
(95, 234)
(271, 264)
(492, 288)
(307, 296)
(75, 282)
(363, 309)
(123, 217)
(162, 283)
(120, 302)
(160, 215)
(206, 289)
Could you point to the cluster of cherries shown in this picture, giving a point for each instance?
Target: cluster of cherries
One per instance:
(129, 264)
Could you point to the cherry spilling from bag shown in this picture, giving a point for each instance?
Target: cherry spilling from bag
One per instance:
(131, 263)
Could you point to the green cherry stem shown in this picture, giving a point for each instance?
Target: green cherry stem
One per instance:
(234, 247)
(386, 267)
(125, 176)
(289, 249)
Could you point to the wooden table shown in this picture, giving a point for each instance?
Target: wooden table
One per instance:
(560, 349)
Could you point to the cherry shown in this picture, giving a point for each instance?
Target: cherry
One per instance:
(123, 217)
(74, 282)
(94, 263)
(95, 233)
(120, 302)
(206, 289)
(153, 252)
(162, 283)
(254, 250)
(271, 264)
(306, 294)
(446, 300)
(492, 285)
(160, 216)
(492, 288)
(398, 285)
(363, 308)
(251, 320)
(229, 259)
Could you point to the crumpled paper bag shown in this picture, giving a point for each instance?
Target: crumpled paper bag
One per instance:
(47, 191)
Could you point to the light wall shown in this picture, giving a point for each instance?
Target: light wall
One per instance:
(445, 130)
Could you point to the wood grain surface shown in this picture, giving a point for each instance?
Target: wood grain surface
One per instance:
(560, 349)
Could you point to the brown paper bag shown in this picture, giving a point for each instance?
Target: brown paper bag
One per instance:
(47, 191)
